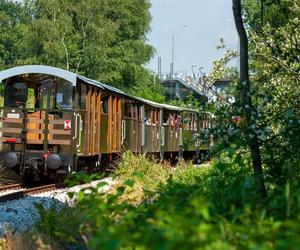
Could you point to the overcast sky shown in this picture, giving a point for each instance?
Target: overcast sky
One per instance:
(206, 20)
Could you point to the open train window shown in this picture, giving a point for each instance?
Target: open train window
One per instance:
(104, 105)
(64, 94)
(166, 118)
(148, 118)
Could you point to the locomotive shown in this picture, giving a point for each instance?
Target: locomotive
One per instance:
(54, 122)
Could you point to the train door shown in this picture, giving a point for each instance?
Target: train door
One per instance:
(135, 128)
(79, 120)
(130, 126)
(93, 118)
(156, 130)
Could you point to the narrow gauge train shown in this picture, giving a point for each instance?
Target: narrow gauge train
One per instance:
(53, 122)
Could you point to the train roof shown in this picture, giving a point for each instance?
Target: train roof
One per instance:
(73, 78)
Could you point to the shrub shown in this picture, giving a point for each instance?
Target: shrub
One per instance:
(189, 207)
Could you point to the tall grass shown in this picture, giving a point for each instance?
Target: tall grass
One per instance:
(146, 175)
(212, 207)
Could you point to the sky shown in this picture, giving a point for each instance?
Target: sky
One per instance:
(206, 21)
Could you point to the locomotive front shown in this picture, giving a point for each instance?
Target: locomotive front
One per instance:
(36, 117)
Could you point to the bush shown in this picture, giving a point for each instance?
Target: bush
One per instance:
(189, 207)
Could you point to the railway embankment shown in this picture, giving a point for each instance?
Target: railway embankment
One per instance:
(19, 214)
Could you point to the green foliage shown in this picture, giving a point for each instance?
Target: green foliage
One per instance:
(275, 63)
(59, 223)
(11, 16)
(196, 208)
(220, 69)
(158, 207)
(143, 171)
(103, 39)
(189, 102)
(148, 87)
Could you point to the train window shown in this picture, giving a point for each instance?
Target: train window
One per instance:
(15, 94)
(46, 94)
(82, 96)
(155, 117)
(186, 122)
(104, 105)
(191, 122)
(148, 118)
(30, 104)
(135, 112)
(64, 94)
(128, 108)
(177, 120)
(194, 122)
(138, 113)
(166, 118)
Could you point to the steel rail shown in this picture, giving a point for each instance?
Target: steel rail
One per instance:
(30, 191)
(9, 187)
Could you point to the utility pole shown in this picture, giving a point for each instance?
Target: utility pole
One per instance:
(245, 98)
(159, 68)
(173, 49)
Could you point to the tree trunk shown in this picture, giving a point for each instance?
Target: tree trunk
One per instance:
(245, 98)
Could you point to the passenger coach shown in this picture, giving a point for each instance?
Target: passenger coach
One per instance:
(53, 122)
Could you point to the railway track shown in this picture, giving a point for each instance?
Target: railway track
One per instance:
(19, 194)
(10, 187)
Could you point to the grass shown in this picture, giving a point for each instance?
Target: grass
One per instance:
(146, 174)
(155, 206)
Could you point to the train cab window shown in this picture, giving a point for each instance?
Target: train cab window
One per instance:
(31, 100)
(104, 105)
(15, 94)
(46, 94)
(64, 94)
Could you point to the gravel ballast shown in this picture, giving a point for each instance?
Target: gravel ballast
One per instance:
(20, 215)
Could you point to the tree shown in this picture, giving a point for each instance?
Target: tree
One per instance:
(274, 50)
(245, 99)
(11, 15)
(101, 39)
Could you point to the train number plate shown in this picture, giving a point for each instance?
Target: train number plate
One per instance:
(13, 115)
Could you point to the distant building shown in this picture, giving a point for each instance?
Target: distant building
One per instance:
(182, 85)
(221, 85)
(179, 88)
(219, 88)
